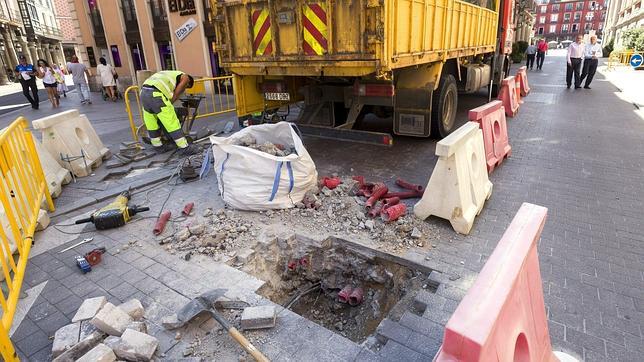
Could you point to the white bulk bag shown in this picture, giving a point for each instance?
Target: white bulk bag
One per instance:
(254, 180)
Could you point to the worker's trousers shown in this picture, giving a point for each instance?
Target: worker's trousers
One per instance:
(159, 112)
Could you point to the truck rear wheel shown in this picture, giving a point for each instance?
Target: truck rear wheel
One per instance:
(444, 103)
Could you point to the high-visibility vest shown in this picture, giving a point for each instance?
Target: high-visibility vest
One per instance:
(165, 81)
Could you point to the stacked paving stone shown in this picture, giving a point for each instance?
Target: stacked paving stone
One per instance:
(101, 331)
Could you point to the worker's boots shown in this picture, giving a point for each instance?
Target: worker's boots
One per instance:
(192, 149)
(166, 147)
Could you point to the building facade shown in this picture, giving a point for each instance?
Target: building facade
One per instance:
(29, 28)
(135, 35)
(623, 15)
(564, 20)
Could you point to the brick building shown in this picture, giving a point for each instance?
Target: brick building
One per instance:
(563, 20)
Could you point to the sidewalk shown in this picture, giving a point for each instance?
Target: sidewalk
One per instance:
(576, 152)
(629, 83)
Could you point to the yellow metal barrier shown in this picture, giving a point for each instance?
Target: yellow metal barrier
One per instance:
(217, 93)
(619, 58)
(22, 188)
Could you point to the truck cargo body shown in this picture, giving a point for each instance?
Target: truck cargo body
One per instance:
(355, 53)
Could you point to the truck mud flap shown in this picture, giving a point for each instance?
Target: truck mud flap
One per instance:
(366, 137)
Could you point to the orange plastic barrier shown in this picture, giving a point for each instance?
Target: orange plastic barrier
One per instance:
(517, 89)
(491, 120)
(522, 76)
(503, 316)
(508, 95)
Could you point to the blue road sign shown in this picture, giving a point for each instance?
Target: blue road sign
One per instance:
(636, 60)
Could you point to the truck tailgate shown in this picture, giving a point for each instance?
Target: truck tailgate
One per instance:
(292, 31)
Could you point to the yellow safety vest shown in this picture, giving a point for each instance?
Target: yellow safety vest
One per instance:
(165, 81)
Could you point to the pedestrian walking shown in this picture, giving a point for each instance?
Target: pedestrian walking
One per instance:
(542, 50)
(575, 54)
(26, 74)
(592, 51)
(107, 73)
(46, 73)
(530, 53)
(79, 71)
(60, 76)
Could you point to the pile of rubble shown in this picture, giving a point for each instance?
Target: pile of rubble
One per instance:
(266, 147)
(340, 211)
(101, 331)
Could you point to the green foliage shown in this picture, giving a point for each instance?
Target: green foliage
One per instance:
(608, 48)
(518, 50)
(634, 39)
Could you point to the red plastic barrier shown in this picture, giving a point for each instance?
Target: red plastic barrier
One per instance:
(491, 120)
(503, 316)
(522, 76)
(508, 95)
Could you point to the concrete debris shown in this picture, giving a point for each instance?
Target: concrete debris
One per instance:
(369, 224)
(416, 234)
(133, 308)
(89, 308)
(81, 348)
(184, 234)
(138, 326)
(65, 338)
(135, 346)
(207, 212)
(258, 317)
(100, 353)
(111, 320)
(243, 255)
(266, 147)
(197, 229)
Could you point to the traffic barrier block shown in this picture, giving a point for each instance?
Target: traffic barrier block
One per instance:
(55, 175)
(459, 184)
(522, 76)
(71, 135)
(508, 95)
(503, 315)
(491, 120)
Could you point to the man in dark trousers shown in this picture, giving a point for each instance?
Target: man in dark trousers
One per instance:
(26, 73)
(542, 49)
(592, 51)
(574, 57)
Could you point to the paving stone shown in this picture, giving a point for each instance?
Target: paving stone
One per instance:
(65, 338)
(425, 300)
(26, 328)
(390, 330)
(123, 291)
(422, 325)
(111, 320)
(81, 347)
(394, 351)
(34, 342)
(89, 308)
(138, 326)
(134, 346)
(133, 308)
(100, 353)
(53, 322)
(258, 317)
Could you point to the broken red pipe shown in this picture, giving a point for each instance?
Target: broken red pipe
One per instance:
(375, 211)
(393, 213)
(292, 265)
(379, 190)
(391, 201)
(344, 294)
(330, 182)
(356, 297)
(409, 186)
(188, 208)
(404, 195)
(161, 221)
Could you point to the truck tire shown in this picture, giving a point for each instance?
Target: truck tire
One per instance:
(444, 104)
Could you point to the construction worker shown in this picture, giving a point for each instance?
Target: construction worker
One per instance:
(158, 93)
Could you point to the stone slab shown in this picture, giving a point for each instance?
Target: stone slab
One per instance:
(100, 353)
(65, 338)
(258, 317)
(133, 308)
(111, 320)
(89, 308)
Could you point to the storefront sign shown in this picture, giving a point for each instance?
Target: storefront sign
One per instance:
(184, 7)
(185, 29)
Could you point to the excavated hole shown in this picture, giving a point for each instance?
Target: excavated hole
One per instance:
(332, 264)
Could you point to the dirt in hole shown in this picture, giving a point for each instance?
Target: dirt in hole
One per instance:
(308, 276)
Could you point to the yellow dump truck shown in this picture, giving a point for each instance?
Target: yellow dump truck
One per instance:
(406, 60)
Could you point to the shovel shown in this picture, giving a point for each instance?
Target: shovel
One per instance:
(207, 303)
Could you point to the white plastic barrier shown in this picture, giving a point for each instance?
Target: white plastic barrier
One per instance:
(55, 175)
(67, 134)
(459, 184)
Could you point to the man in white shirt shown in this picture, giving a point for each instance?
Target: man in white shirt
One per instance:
(592, 51)
(575, 54)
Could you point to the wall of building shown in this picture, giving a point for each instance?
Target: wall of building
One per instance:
(623, 15)
(563, 20)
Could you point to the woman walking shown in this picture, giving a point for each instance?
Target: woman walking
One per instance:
(46, 73)
(60, 77)
(107, 73)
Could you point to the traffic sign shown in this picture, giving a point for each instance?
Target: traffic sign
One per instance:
(636, 60)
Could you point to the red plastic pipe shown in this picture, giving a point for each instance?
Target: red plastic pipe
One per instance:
(393, 213)
(356, 297)
(188, 208)
(409, 186)
(404, 195)
(344, 294)
(331, 182)
(375, 211)
(391, 201)
(161, 221)
(379, 190)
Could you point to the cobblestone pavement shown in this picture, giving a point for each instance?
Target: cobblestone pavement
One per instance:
(576, 152)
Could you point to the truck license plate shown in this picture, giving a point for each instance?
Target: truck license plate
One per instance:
(277, 96)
